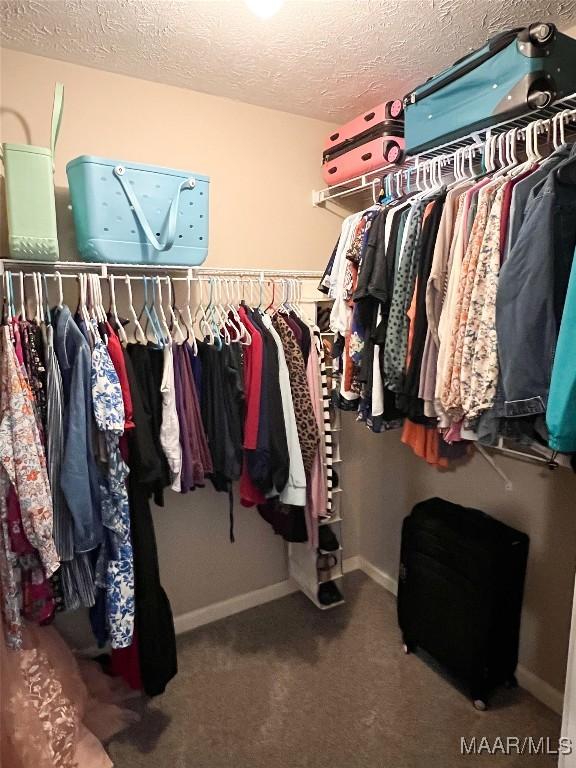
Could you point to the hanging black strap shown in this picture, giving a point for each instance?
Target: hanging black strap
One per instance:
(231, 512)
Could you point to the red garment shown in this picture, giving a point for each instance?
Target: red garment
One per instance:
(253, 360)
(252, 382)
(37, 596)
(125, 663)
(249, 494)
(117, 357)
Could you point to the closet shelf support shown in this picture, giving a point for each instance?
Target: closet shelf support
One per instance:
(508, 485)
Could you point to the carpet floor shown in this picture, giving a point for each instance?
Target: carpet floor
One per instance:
(284, 685)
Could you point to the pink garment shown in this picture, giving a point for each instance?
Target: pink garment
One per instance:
(317, 487)
(454, 433)
(53, 713)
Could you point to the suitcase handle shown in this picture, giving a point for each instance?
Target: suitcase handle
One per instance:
(120, 172)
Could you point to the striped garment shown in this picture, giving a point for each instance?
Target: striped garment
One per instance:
(327, 430)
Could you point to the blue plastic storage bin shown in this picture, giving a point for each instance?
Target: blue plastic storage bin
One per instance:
(127, 213)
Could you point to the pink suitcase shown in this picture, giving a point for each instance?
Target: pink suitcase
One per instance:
(375, 153)
(367, 123)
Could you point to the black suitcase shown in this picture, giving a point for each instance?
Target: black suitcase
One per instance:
(460, 592)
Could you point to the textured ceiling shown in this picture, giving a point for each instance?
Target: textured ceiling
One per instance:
(322, 58)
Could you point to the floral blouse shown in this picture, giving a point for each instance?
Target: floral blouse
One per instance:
(115, 569)
(22, 465)
(480, 369)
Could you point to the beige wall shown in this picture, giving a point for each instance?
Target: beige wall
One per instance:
(390, 480)
(263, 165)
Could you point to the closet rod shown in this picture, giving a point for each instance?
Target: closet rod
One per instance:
(16, 265)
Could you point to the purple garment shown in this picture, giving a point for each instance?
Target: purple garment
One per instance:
(194, 434)
(294, 327)
(196, 365)
(186, 470)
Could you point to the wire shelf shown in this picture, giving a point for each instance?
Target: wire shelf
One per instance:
(360, 184)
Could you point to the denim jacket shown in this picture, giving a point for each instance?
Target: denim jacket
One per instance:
(532, 290)
(78, 477)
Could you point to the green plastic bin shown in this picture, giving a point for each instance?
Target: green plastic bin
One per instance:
(30, 199)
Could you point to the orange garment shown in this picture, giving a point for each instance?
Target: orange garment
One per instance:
(424, 443)
(411, 317)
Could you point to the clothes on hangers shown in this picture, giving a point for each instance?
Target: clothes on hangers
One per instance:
(457, 305)
(109, 426)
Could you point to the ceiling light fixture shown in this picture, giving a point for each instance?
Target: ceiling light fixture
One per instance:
(264, 8)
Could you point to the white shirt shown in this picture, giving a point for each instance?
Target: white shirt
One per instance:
(170, 429)
(295, 490)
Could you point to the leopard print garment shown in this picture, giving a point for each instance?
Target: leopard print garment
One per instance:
(308, 433)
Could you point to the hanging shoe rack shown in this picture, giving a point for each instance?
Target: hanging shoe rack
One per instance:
(302, 559)
(473, 142)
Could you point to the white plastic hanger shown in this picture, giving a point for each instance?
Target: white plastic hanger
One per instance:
(8, 292)
(245, 337)
(114, 312)
(164, 329)
(189, 319)
(220, 312)
(22, 311)
(212, 316)
(176, 332)
(38, 308)
(200, 316)
(100, 311)
(232, 318)
(58, 278)
(139, 335)
(86, 309)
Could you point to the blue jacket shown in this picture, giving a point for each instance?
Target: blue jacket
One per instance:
(78, 479)
(532, 290)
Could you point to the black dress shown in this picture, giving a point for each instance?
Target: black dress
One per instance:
(154, 634)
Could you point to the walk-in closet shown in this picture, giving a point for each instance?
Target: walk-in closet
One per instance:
(287, 384)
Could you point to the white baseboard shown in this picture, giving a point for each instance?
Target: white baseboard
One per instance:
(193, 619)
(379, 576)
(201, 616)
(354, 563)
(540, 689)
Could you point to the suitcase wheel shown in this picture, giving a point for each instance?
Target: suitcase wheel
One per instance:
(408, 647)
(511, 682)
(539, 95)
(392, 152)
(480, 705)
(396, 109)
(540, 34)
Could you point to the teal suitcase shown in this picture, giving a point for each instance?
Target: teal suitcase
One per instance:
(516, 72)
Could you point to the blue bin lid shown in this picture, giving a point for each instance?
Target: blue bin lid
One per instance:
(84, 159)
